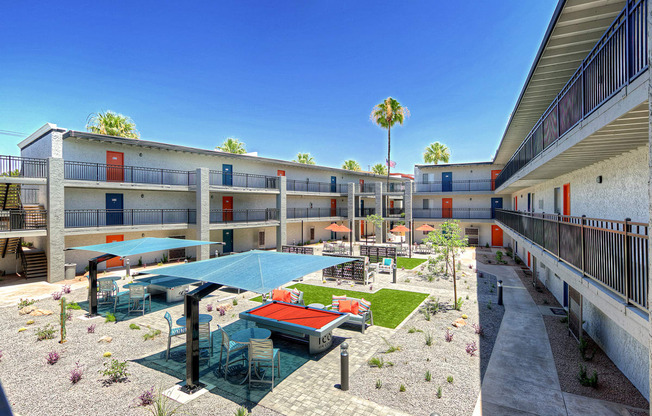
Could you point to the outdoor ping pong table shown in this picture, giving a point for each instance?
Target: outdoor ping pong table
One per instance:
(174, 288)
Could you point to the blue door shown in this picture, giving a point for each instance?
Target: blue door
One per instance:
(227, 175)
(114, 209)
(565, 305)
(529, 202)
(496, 203)
(333, 183)
(362, 208)
(447, 181)
(227, 237)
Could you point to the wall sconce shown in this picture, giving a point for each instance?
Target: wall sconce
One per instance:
(470, 199)
(311, 205)
(142, 235)
(142, 195)
(599, 179)
(140, 154)
(212, 196)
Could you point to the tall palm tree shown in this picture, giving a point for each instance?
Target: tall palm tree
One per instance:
(305, 158)
(386, 114)
(436, 152)
(232, 145)
(351, 165)
(379, 169)
(112, 124)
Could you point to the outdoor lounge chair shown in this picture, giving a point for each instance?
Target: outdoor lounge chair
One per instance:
(263, 354)
(386, 265)
(173, 332)
(359, 319)
(232, 349)
(138, 299)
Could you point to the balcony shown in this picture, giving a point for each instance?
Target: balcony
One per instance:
(364, 212)
(396, 187)
(320, 187)
(316, 212)
(617, 59)
(394, 212)
(23, 220)
(366, 188)
(452, 213)
(228, 216)
(611, 253)
(85, 218)
(98, 172)
(243, 180)
(455, 186)
(23, 167)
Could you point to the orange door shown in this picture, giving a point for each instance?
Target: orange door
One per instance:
(333, 207)
(496, 236)
(391, 203)
(227, 208)
(280, 173)
(447, 207)
(494, 175)
(567, 202)
(528, 259)
(116, 261)
(515, 203)
(361, 228)
(115, 166)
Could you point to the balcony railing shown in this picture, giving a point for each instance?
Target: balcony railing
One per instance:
(364, 212)
(78, 218)
(618, 57)
(225, 216)
(99, 172)
(454, 213)
(316, 212)
(394, 212)
(366, 188)
(243, 180)
(23, 167)
(612, 253)
(18, 220)
(310, 186)
(455, 186)
(396, 187)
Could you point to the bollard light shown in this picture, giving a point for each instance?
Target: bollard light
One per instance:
(500, 292)
(128, 268)
(344, 366)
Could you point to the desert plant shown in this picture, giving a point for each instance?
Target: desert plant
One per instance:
(91, 329)
(439, 392)
(379, 362)
(115, 371)
(428, 375)
(401, 388)
(242, 411)
(426, 314)
(153, 333)
(209, 307)
(449, 379)
(471, 348)
(165, 258)
(235, 302)
(429, 339)
(379, 384)
(107, 354)
(52, 357)
(222, 310)
(413, 329)
(478, 329)
(489, 304)
(162, 406)
(65, 289)
(73, 306)
(585, 380)
(391, 347)
(583, 347)
(448, 335)
(46, 332)
(458, 304)
(145, 398)
(56, 295)
(140, 262)
(25, 302)
(110, 317)
(499, 256)
(133, 326)
(76, 373)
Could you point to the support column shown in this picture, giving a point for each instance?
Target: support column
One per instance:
(203, 206)
(649, 58)
(407, 204)
(380, 231)
(56, 243)
(350, 210)
(281, 205)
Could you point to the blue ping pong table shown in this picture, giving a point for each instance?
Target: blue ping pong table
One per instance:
(174, 288)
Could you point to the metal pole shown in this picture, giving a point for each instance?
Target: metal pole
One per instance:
(191, 312)
(92, 287)
(344, 367)
(500, 292)
(128, 269)
(410, 240)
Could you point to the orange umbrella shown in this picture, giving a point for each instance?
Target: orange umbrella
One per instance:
(332, 227)
(400, 229)
(425, 227)
(342, 229)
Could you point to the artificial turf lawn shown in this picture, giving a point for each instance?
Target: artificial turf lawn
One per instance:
(409, 263)
(390, 307)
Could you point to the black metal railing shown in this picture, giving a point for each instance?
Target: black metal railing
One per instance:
(396, 187)
(243, 180)
(394, 212)
(366, 188)
(610, 252)
(454, 213)
(18, 219)
(23, 167)
(77, 218)
(311, 186)
(316, 212)
(364, 212)
(455, 186)
(99, 172)
(224, 216)
(618, 57)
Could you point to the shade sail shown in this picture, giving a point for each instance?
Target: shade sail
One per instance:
(141, 245)
(256, 271)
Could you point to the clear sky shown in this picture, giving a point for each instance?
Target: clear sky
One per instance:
(283, 77)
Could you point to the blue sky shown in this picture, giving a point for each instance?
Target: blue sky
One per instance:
(284, 77)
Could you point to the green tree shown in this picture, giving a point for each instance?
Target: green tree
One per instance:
(448, 242)
(376, 220)
(232, 145)
(436, 152)
(385, 115)
(305, 158)
(351, 165)
(379, 169)
(112, 124)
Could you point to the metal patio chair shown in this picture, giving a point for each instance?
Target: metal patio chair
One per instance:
(232, 349)
(172, 332)
(263, 354)
(138, 299)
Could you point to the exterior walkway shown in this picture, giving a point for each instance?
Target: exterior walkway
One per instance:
(521, 377)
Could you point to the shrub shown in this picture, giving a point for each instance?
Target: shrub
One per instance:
(242, 411)
(379, 362)
(115, 371)
(458, 304)
(449, 379)
(401, 387)
(428, 376)
(140, 262)
(66, 289)
(379, 384)
(52, 357)
(106, 354)
(153, 333)
(235, 302)
(222, 310)
(586, 381)
(91, 329)
(30, 322)
(426, 314)
(499, 256)
(133, 326)
(145, 398)
(391, 348)
(412, 330)
(76, 373)
(73, 305)
(110, 317)
(448, 335)
(57, 295)
(429, 339)
(25, 302)
(583, 347)
(162, 406)
(45, 333)
(209, 307)
(478, 329)
(68, 316)
(489, 304)
(439, 392)
(471, 348)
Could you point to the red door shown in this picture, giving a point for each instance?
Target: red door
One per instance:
(333, 207)
(280, 173)
(227, 208)
(115, 166)
(447, 207)
(496, 236)
(528, 259)
(361, 185)
(361, 228)
(494, 175)
(515, 203)
(567, 202)
(116, 261)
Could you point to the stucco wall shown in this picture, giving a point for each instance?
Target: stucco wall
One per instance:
(40, 149)
(483, 228)
(83, 198)
(460, 173)
(459, 201)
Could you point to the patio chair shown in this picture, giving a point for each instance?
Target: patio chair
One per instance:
(231, 348)
(263, 354)
(138, 299)
(386, 265)
(119, 296)
(173, 332)
(105, 291)
(206, 337)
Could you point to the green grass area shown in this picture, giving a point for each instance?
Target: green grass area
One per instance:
(390, 307)
(409, 263)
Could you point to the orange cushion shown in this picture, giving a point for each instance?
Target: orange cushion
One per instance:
(345, 306)
(355, 307)
(282, 295)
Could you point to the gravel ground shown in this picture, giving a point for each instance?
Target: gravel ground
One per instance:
(35, 388)
(442, 358)
(540, 294)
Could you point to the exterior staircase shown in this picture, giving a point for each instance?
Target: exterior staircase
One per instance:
(35, 263)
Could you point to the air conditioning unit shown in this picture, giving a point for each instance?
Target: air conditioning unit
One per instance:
(473, 234)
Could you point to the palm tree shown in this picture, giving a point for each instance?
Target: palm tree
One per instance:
(305, 158)
(112, 124)
(351, 165)
(386, 114)
(379, 169)
(436, 152)
(232, 145)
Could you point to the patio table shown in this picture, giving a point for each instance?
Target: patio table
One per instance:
(243, 336)
(204, 318)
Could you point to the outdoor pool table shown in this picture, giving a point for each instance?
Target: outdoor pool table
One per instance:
(311, 324)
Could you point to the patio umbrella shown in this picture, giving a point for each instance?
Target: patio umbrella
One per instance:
(332, 227)
(425, 227)
(400, 229)
(342, 229)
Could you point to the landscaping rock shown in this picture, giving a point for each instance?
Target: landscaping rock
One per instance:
(459, 322)
(106, 339)
(40, 312)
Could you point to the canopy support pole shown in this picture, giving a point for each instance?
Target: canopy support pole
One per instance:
(92, 282)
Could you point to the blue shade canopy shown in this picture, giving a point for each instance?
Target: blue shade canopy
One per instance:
(256, 271)
(141, 245)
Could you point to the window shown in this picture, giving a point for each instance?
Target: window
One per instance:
(541, 204)
(425, 204)
(312, 233)
(557, 200)
(425, 178)
(261, 239)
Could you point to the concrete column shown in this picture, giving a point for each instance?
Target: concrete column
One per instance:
(56, 244)
(350, 210)
(649, 58)
(281, 205)
(407, 204)
(203, 207)
(380, 231)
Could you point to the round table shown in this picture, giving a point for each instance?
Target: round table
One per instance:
(113, 277)
(316, 305)
(245, 335)
(204, 318)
